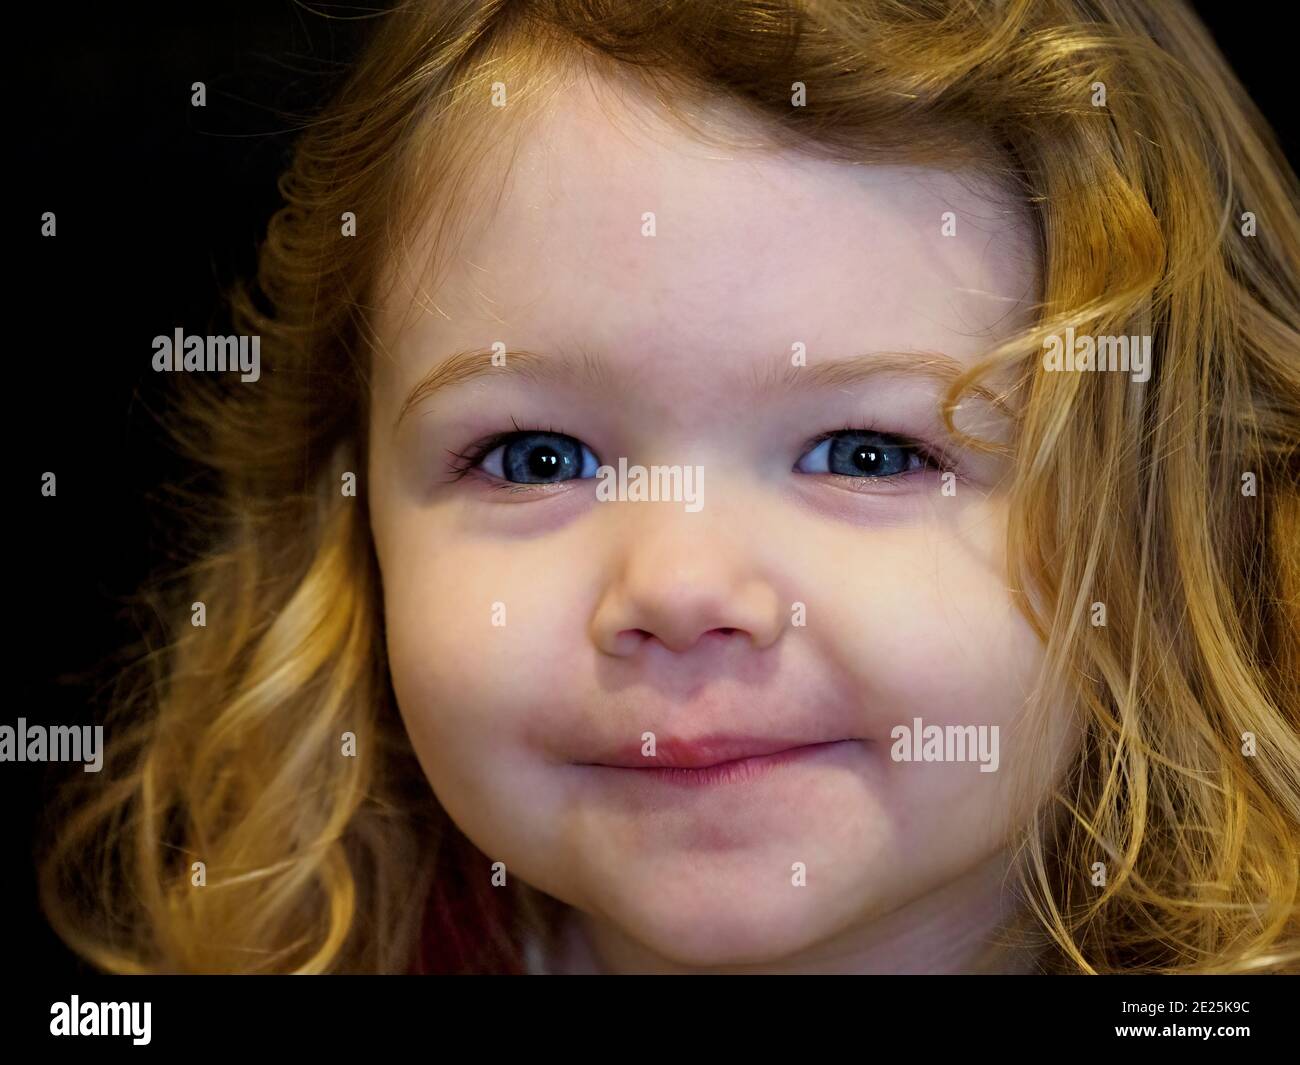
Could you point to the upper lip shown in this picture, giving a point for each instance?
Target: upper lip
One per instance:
(701, 752)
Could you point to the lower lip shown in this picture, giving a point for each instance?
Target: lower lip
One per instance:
(734, 772)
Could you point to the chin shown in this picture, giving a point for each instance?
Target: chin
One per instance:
(722, 927)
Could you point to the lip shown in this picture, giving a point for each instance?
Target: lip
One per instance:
(705, 752)
(696, 763)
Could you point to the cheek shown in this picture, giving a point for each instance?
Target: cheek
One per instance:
(923, 615)
(929, 630)
(473, 636)
(476, 633)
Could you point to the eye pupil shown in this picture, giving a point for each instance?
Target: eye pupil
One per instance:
(543, 462)
(867, 458)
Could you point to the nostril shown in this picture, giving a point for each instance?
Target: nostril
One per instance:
(642, 635)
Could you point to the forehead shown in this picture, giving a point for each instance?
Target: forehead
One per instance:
(618, 231)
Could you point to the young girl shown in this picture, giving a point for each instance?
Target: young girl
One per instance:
(765, 486)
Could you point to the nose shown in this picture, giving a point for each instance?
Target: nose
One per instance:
(684, 578)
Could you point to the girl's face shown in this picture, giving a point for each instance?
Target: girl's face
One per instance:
(800, 594)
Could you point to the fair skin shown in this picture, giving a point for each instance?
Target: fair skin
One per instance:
(627, 617)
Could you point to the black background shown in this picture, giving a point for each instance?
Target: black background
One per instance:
(159, 205)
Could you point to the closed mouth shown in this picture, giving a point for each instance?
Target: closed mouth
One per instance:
(728, 770)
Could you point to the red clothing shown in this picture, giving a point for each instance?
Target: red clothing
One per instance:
(469, 926)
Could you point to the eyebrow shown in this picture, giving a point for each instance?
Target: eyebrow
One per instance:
(782, 377)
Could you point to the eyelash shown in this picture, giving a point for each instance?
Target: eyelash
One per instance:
(479, 451)
(930, 456)
(476, 453)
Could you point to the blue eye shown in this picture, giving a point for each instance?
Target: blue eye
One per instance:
(862, 453)
(537, 458)
(544, 456)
